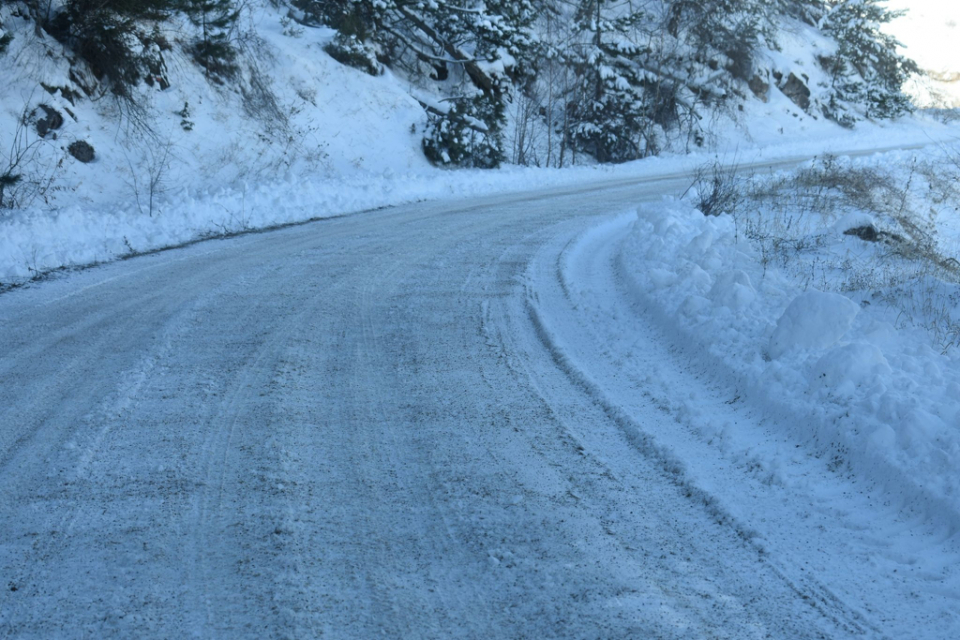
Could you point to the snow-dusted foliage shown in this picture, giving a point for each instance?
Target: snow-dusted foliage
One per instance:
(610, 106)
(466, 135)
(612, 79)
(867, 68)
(474, 51)
(537, 82)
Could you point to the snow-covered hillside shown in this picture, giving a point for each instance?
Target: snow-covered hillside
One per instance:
(297, 135)
(294, 114)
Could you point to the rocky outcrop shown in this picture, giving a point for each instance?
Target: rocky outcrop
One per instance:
(797, 90)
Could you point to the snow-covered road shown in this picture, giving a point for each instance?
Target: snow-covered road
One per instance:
(438, 420)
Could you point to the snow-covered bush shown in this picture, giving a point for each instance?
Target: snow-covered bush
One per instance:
(347, 49)
(468, 135)
(717, 189)
(867, 68)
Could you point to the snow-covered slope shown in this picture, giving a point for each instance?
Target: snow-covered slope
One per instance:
(294, 115)
(37, 241)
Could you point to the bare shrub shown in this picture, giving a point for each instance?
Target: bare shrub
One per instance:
(718, 188)
(151, 181)
(23, 176)
(792, 220)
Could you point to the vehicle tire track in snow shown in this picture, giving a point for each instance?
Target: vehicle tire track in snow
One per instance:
(570, 431)
(673, 468)
(593, 332)
(90, 427)
(69, 455)
(217, 507)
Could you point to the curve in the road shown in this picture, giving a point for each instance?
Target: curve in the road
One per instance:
(357, 427)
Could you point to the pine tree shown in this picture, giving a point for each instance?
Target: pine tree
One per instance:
(867, 68)
(213, 50)
(475, 49)
(504, 36)
(610, 114)
(107, 35)
(498, 35)
(734, 29)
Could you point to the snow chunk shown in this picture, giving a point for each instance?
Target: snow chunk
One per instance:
(814, 320)
(662, 278)
(733, 289)
(843, 369)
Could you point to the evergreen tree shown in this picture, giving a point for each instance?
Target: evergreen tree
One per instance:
(867, 68)
(476, 49)
(504, 35)
(107, 34)
(215, 19)
(734, 29)
(469, 134)
(609, 113)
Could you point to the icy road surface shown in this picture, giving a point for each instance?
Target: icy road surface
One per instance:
(422, 422)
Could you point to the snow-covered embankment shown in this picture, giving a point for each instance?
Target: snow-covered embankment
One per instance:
(834, 375)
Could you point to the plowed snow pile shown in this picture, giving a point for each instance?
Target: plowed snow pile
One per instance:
(843, 323)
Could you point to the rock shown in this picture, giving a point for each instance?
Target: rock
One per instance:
(51, 120)
(797, 90)
(760, 87)
(867, 232)
(68, 94)
(84, 79)
(82, 151)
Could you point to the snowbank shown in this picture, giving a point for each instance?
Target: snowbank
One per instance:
(38, 240)
(874, 400)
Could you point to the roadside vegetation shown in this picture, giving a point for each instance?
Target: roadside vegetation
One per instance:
(547, 83)
(884, 233)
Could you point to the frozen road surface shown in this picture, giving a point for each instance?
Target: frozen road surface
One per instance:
(410, 423)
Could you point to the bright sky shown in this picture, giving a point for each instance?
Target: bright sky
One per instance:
(930, 31)
(931, 35)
